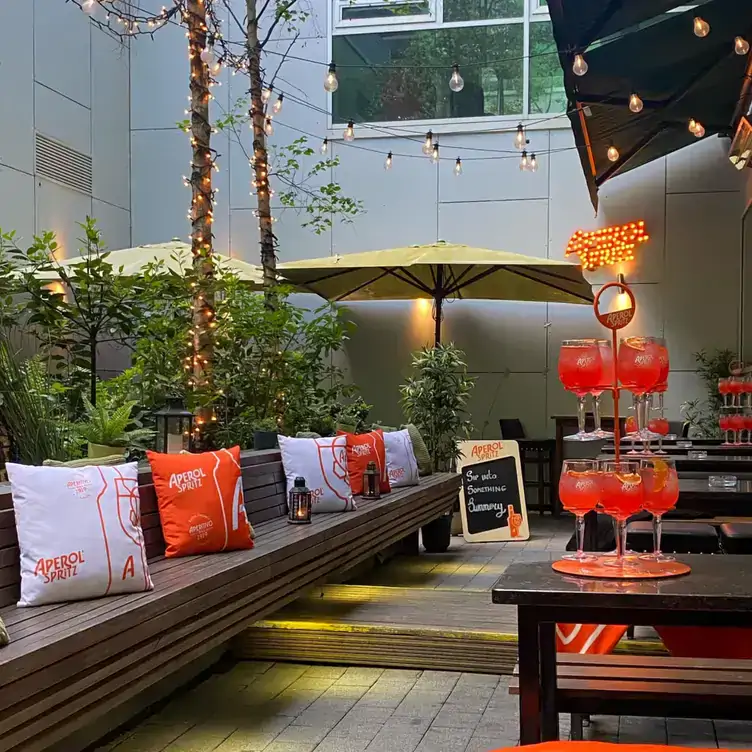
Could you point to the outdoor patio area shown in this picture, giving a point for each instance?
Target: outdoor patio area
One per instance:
(254, 706)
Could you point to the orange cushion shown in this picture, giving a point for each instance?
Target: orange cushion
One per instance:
(594, 639)
(707, 642)
(597, 747)
(364, 448)
(200, 498)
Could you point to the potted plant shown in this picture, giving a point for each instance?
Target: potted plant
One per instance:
(107, 431)
(435, 400)
(264, 434)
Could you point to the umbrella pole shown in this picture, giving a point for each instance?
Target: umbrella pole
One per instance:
(438, 304)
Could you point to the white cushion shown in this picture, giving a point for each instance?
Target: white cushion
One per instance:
(400, 459)
(79, 531)
(323, 464)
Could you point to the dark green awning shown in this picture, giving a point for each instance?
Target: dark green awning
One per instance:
(647, 47)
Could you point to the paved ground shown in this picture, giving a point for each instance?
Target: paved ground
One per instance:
(262, 707)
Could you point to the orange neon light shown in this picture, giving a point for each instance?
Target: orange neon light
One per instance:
(609, 245)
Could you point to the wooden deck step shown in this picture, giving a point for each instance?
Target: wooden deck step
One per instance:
(393, 627)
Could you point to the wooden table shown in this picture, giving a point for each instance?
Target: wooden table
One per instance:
(718, 592)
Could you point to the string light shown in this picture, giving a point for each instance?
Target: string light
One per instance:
(388, 162)
(533, 163)
(635, 103)
(278, 105)
(741, 46)
(699, 130)
(207, 55)
(428, 144)
(701, 27)
(692, 125)
(612, 153)
(519, 138)
(458, 167)
(266, 93)
(524, 164)
(579, 66)
(349, 133)
(609, 245)
(435, 153)
(456, 82)
(331, 84)
(324, 148)
(268, 126)
(88, 6)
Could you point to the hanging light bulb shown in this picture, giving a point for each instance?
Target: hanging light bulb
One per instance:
(388, 162)
(458, 167)
(741, 46)
(88, 6)
(268, 127)
(266, 93)
(324, 148)
(579, 66)
(331, 84)
(612, 153)
(207, 55)
(435, 153)
(349, 132)
(533, 163)
(215, 68)
(278, 104)
(428, 144)
(699, 130)
(519, 138)
(692, 125)
(456, 82)
(524, 164)
(701, 27)
(635, 103)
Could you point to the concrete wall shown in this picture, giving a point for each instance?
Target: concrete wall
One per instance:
(688, 278)
(64, 78)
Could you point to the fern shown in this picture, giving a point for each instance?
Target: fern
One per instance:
(110, 428)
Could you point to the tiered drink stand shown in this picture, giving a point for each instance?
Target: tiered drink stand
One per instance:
(602, 567)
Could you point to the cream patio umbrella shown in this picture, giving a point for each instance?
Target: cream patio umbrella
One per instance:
(439, 271)
(176, 257)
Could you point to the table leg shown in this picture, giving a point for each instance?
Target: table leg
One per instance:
(547, 660)
(530, 689)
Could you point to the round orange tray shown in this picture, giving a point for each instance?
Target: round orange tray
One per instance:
(641, 570)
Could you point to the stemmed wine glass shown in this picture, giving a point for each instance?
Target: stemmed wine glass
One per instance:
(639, 371)
(606, 383)
(580, 372)
(661, 492)
(622, 495)
(579, 492)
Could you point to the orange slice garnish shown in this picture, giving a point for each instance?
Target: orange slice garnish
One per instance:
(660, 471)
(630, 478)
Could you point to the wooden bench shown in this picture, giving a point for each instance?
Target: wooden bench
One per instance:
(655, 686)
(75, 672)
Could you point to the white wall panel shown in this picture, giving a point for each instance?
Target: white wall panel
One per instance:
(703, 167)
(516, 226)
(62, 119)
(682, 387)
(489, 175)
(61, 210)
(110, 120)
(16, 84)
(159, 200)
(702, 284)
(17, 205)
(62, 49)
(114, 223)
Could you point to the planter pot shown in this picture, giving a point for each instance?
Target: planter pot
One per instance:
(102, 450)
(437, 534)
(264, 440)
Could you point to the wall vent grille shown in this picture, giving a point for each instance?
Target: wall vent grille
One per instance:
(58, 162)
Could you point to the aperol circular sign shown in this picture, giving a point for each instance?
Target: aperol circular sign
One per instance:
(615, 320)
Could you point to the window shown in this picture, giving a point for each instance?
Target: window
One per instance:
(394, 59)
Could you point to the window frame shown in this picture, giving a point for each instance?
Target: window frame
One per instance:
(533, 12)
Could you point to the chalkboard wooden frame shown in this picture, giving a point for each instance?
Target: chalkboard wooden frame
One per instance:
(480, 468)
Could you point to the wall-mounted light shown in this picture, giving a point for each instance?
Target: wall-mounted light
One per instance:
(609, 245)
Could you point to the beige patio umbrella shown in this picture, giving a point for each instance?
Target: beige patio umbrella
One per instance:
(175, 255)
(439, 271)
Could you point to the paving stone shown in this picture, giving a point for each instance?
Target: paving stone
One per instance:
(245, 741)
(319, 718)
(733, 730)
(445, 740)
(448, 717)
(341, 744)
(397, 739)
(327, 672)
(302, 735)
(362, 731)
(364, 716)
(312, 682)
(482, 744)
(642, 731)
(360, 677)
(691, 727)
(478, 680)
(419, 710)
(199, 739)
(289, 747)
(400, 675)
(474, 698)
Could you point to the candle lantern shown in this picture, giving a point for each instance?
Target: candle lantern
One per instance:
(371, 482)
(174, 426)
(299, 503)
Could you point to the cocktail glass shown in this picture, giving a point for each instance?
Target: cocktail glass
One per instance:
(748, 428)
(724, 423)
(622, 496)
(630, 428)
(736, 424)
(659, 426)
(736, 389)
(724, 389)
(640, 369)
(661, 492)
(579, 492)
(606, 383)
(748, 391)
(580, 372)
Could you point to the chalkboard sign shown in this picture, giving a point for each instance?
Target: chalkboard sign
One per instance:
(492, 497)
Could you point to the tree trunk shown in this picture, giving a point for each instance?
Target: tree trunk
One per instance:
(260, 158)
(93, 373)
(202, 196)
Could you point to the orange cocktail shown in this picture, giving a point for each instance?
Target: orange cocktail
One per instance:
(580, 372)
(661, 492)
(579, 493)
(622, 496)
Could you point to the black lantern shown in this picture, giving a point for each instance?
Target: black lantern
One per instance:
(300, 503)
(174, 427)
(371, 482)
